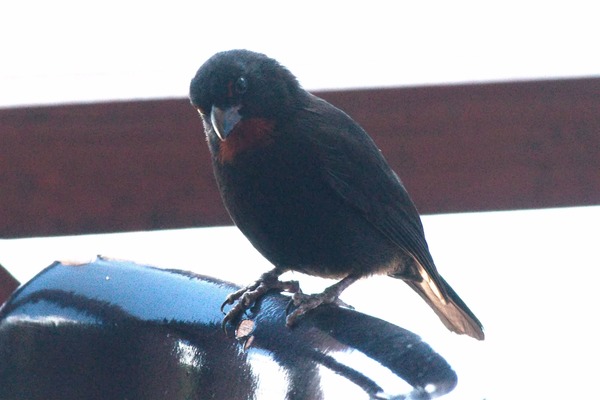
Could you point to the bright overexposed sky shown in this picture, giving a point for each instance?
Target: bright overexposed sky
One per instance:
(69, 51)
(530, 276)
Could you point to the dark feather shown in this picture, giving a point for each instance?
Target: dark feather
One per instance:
(355, 168)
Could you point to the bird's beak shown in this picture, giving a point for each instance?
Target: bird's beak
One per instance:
(224, 120)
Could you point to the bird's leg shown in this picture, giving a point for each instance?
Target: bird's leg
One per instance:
(247, 296)
(307, 302)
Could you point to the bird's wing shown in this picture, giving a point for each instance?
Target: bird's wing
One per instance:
(357, 171)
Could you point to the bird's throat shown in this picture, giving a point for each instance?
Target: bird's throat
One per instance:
(248, 134)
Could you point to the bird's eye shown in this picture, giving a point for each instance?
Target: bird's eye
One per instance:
(241, 85)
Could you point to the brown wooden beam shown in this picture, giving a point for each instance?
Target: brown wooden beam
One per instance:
(144, 165)
(7, 284)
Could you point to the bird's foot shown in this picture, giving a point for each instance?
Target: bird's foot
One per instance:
(306, 302)
(244, 298)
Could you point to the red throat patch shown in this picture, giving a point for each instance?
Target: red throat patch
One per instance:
(248, 134)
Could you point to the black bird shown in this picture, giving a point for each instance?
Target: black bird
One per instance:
(310, 189)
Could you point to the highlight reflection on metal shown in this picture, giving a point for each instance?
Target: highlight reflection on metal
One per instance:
(115, 330)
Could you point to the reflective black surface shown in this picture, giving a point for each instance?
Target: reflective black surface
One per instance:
(117, 330)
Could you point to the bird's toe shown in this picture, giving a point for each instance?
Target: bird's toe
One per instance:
(303, 303)
(245, 298)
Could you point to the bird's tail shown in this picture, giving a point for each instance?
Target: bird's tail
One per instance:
(453, 312)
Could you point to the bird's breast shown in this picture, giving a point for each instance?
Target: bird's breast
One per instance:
(279, 199)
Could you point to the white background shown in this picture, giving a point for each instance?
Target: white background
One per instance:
(529, 276)
(65, 51)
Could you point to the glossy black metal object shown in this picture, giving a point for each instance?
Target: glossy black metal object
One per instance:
(118, 330)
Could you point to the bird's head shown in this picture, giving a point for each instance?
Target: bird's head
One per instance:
(239, 85)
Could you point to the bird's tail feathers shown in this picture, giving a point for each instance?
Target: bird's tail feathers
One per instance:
(453, 312)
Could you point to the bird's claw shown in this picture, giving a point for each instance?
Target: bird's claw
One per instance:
(233, 297)
(306, 302)
(244, 298)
